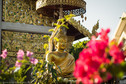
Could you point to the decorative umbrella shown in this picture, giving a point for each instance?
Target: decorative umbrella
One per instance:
(51, 7)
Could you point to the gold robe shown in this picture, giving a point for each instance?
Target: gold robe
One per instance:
(64, 60)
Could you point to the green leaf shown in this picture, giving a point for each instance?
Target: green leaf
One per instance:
(58, 26)
(65, 26)
(123, 64)
(45, 46)
(12, 68)
(68, 17)
(24, 61)
(61, 20)
(102, 66)
(55, 24)
(28, 69)
(120, 74)
(49, 67)
(55, 38)
(46, 36)
(60, 69)
(51, 30)
(54, 75)
(22, 79)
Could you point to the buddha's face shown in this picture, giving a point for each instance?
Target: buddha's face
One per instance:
(61, 44)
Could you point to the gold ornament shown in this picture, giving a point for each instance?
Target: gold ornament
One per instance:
(82, 16)
(85, 18)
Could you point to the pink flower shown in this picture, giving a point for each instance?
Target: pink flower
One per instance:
(29, 54)
(4, 51)
(103, 70)
(34, 61)
(109, 76)
(20, 55)
(18, 64)
(4, 54)
(80, 70)
(120, 45)
(103, 34)
(86, 80)
(90, 59)
(92, 62)
(86, 65)
(98, 47)
(97, 79)
(117, 54)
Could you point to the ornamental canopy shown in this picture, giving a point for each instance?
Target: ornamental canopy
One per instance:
(49, 7)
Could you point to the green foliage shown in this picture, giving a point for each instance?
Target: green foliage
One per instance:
(65, 26)
(55, 38)
(43, 74)
(20, 75)
(6, 71)
(68, 17)
(77, 48)
(45, 46)
(117, 70)
(46, 36)
(62, 22)
(51, 30)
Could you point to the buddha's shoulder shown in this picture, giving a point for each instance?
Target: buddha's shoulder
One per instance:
(70, 55)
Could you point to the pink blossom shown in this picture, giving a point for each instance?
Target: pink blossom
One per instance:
(34, 61)
(103, 34)
(29, 54)
(98, 47)
(103, 70)
(109, 76)
(97, 44)
(18, 64)
(117, 54)
(4, 51)
(97, 79)
(80, 71)
(86, 80)
(120, 45)
(4, 54)
(20, 55)
(88, 65)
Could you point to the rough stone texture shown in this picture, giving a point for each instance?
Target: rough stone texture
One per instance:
(23, 11)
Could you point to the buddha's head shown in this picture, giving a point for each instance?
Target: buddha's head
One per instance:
(61, 41)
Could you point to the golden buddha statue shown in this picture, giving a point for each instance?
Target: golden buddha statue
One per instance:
(61, 58)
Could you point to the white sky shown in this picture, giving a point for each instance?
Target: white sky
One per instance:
(108, 12)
